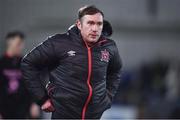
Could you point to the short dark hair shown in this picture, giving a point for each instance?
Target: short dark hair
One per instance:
(14, 34)
(88, 10)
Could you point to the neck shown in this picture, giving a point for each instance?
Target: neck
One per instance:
(90, 44)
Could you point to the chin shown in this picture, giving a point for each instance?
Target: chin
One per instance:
(93, 40)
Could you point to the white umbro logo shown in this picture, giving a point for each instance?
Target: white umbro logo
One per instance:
(71, 53)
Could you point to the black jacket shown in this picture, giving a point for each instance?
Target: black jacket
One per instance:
(83, 80)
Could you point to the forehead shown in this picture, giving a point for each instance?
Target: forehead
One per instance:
(15, 40)
(95, 17)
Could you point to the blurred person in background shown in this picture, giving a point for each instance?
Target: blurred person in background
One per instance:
(15, 101)
(84, 69)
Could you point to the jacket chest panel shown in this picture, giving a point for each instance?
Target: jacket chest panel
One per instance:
(100, 61)
(101, 58)
(75, 57)
(74, 62)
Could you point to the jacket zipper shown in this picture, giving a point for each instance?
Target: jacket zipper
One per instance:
(88, 82)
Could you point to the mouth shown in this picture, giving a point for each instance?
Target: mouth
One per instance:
(94, 35)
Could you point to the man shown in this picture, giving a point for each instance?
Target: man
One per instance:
(84, 69)
(14, 99)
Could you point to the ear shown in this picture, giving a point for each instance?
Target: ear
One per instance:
(78, 24)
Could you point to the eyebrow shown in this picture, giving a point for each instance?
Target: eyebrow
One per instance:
(99, 22)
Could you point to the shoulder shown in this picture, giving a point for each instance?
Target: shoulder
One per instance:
(58, 37)
(111, 46)
(111, 41)
(106, 42)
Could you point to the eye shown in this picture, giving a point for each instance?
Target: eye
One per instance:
(99, 23)
(91, 23)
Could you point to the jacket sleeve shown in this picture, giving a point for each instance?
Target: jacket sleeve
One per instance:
(32, 65)
(113, 73)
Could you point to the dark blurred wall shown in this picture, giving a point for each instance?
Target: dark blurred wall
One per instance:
(1, 24)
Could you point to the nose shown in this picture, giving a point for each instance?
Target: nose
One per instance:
(95, 28)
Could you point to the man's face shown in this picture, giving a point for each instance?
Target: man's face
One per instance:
(91, 27)
(16, 45)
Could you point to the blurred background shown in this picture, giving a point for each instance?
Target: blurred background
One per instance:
(147, 33)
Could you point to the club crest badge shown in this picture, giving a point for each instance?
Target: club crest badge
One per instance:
(105, 55)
